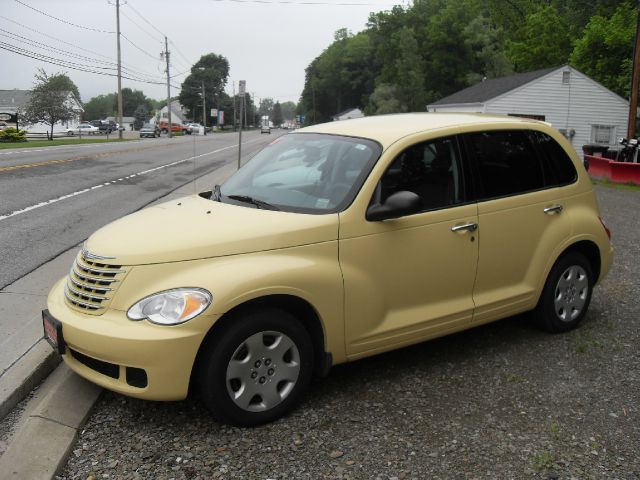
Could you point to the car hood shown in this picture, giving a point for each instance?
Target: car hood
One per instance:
(193, 227)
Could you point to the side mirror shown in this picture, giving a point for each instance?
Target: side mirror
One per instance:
(397, 205)
(586, 164)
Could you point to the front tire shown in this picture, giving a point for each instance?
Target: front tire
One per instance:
(255, 369)
(566, 295)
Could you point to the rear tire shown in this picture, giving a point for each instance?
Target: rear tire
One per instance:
(255, 369)
(566, 295)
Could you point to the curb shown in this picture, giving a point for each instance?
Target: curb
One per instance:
(26, 374)
(44, 440)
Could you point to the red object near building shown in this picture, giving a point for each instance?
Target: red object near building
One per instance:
(616, 172)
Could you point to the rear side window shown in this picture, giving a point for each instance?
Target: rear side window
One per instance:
(506, 163)
(562, 170)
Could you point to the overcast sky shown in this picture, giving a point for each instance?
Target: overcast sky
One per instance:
(268, 43)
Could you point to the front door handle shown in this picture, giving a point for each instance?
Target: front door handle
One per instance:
(554, 209)
(469, 227)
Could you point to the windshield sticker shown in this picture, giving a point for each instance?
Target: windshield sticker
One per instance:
(322, 203)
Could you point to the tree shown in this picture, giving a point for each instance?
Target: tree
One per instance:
(605, 50)
(277, 117)
(384, 99)
(141, 116)
(266, 107)
(288, 110)
(49, 101)
(100, 107)
(211, 71)
(543, 41)
(131, 100)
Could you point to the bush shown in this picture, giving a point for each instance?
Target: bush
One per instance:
(12, 135)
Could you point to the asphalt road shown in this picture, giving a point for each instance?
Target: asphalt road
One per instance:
(53, 198)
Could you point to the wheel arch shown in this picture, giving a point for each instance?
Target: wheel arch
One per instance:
(298, 307)
(591, 252)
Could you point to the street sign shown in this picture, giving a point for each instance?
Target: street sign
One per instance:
(214, 112)
(243, 87)
(9, 117)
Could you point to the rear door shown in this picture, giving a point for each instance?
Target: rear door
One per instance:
(521, 219)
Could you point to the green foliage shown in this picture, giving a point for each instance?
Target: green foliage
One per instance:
(100, 107)
(12, 135)
(141, 116)
(412, 55)
(210, 72)
(542, 41)
(49, 100)
(384, 99)
(288, 110)
(605, 50)
(131, 100)
(276, 114)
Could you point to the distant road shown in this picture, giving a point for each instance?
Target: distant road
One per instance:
(53, 198)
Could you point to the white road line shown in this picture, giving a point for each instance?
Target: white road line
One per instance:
(113, 182)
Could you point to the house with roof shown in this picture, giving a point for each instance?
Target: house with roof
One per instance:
(178, 114)
(583, 110)
(348, 114)
(14, 101)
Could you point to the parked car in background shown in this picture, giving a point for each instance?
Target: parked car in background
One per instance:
(149, 130)
(175, 127)
(83, 129)
(338, 242)
(265, 129)
(194, 129)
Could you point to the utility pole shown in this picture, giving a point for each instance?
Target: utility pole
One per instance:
(204, 112)
(635, 80)
(119, 70)
(166, 57)
(234, 104)
(241, 87)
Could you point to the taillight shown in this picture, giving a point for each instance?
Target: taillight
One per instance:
(606, 229)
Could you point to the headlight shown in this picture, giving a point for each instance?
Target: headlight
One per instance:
(171, 307)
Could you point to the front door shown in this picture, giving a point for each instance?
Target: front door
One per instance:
(411, 278)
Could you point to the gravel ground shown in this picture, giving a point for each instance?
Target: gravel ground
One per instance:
(500, 401)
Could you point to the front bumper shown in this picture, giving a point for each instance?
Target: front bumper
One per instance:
(138, 358)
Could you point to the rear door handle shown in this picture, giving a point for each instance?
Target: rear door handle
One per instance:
(553, 210)
(469, 227)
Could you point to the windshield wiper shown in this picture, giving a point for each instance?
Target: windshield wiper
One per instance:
(253, 201)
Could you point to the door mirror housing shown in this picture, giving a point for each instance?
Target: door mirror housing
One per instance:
(397, 205)
(586, 164)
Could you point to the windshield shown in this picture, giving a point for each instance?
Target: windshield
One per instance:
(307, 173)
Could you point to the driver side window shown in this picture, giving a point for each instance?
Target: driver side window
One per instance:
(430, 169)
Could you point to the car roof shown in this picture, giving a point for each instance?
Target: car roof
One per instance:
(386, 129)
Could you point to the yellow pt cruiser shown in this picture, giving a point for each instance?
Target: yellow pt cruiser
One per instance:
(334, 243)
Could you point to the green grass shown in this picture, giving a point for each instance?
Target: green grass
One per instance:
(620, 186)
(64, 141)
(544, 461)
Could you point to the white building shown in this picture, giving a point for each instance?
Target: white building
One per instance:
(582, 109)
(127, 122)
(178, 114)
(348, 114)
(12, 101)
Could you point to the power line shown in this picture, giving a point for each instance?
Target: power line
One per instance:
(72, 45)
(143, 18)
(180, 53)
(138, 25)
(136, 46)
(71, 65)
(61, 20)
(58, 51)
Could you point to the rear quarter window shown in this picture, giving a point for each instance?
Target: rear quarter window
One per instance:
(561, 167)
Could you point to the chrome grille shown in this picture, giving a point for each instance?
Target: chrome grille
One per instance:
(92, 283)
